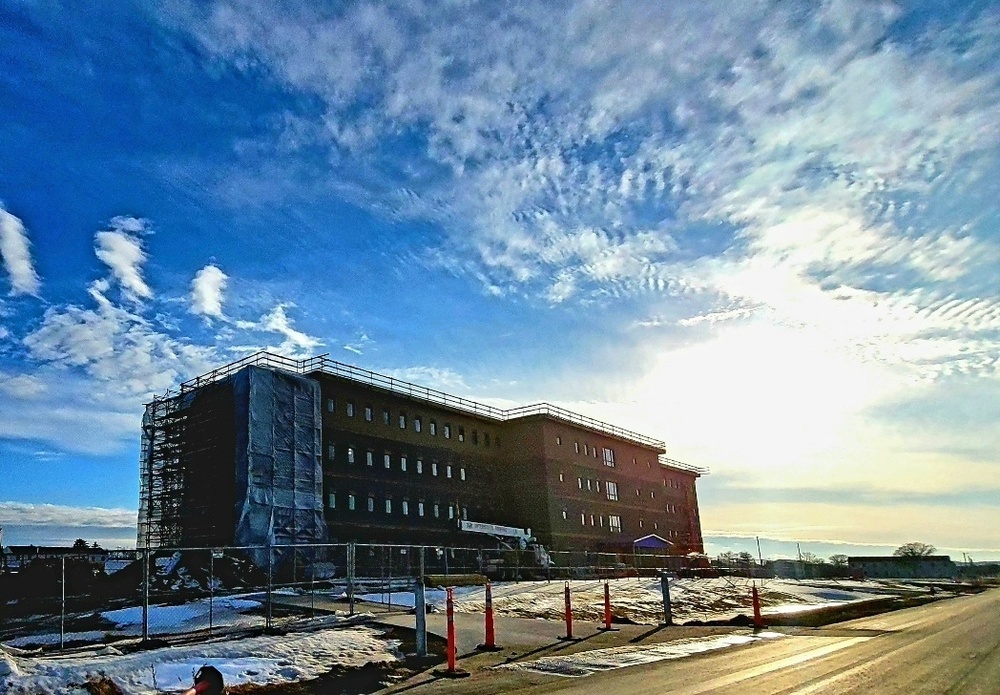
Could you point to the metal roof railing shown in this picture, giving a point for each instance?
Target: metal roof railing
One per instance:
(680, 465)
(325, 365)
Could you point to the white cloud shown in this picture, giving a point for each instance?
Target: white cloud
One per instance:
(121, 248)
(207, 292)
(21, 386)
(296, 344)
(440, 378)
(15, 250)
(25, 514)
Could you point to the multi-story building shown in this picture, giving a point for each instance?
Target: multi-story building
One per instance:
(271, 450)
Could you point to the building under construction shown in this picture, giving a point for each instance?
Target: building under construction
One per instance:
(274, 451)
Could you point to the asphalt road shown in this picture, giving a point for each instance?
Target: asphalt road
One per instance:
(945, 647)
(950, 646)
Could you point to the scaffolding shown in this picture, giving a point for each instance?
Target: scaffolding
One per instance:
(233, 461)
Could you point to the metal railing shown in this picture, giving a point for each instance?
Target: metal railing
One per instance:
(325, 365)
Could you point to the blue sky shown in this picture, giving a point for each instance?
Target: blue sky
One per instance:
(766, 233)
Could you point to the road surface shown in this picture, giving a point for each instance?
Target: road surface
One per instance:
(950, 646)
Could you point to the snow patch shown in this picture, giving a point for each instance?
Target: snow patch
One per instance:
(260, 660)
(597, 660)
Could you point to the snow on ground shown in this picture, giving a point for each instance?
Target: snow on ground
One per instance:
(224, 612)
(261, 660)
(640, 600)
(595, 660)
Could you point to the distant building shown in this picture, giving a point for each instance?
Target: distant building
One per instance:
(902, 567)
(18, 556)
(270, 450)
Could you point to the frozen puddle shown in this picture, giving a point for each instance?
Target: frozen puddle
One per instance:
(586, 663)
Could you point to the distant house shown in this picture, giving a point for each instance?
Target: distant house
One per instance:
(901, 567)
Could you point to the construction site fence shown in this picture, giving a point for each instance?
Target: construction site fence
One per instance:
(172, 594)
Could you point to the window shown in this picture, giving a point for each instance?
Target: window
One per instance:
(447, 471)
(586, 450)
(331, 452)
(589, 485)
(565, 515)
(475, 438)
(656, 525)
(369, 413)
(332, 500)
(405, 507)
(559, 441)
(612, 490)
(402, 421)
(615, 523)
(576, 447)
(387, 461)
(609, 457)
(640, 523)
(350, 408)
(437, 510)
(417, 424)
(652, 494)
(637, 492)
(350, 502)
(434, 468)
(370, 457)
(597, 485)
(402, 463)
(600, 521)
(434, 428)
(371, 503)
(350, 454)
(420, 508)
(451, 511)
(447, 431)
(461, 434)
(583, 519)
(386, 417)
(331, 405)
(579, 483)
(420, 466)
(593, 451)
(465, 513)
(461, 473)
(561, 478)
(388, 505)
(591, 519)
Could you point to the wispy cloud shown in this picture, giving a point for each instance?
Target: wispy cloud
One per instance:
(15, 250)
(121, 248)
(207, 290)
(296, 343)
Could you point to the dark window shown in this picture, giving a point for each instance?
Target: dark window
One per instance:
(386, 417)
(371, 503)
(402, 421)
(350, 502)
(434, 428)
(369, 413)
(331, 405)
(475, 438)
(417, 424)
(461, 434)
(350, 408)
(447, 431)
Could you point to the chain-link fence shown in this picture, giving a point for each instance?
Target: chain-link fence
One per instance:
(191, 593)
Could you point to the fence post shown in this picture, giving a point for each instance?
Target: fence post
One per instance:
(211, 588)
(270, 574)
(607, 607)
(420, 611)
(62, 609)
(388, 552)
(145, 594)
(350, 577)
(665, 589)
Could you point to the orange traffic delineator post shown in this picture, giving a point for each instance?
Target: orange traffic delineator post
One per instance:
(569, 612)
(451, 671)
(607, 608)
(758, 620)
(491, 643)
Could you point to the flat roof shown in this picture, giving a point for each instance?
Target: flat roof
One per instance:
(324, 365)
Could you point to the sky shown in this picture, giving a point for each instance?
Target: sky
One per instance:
(766, 233)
